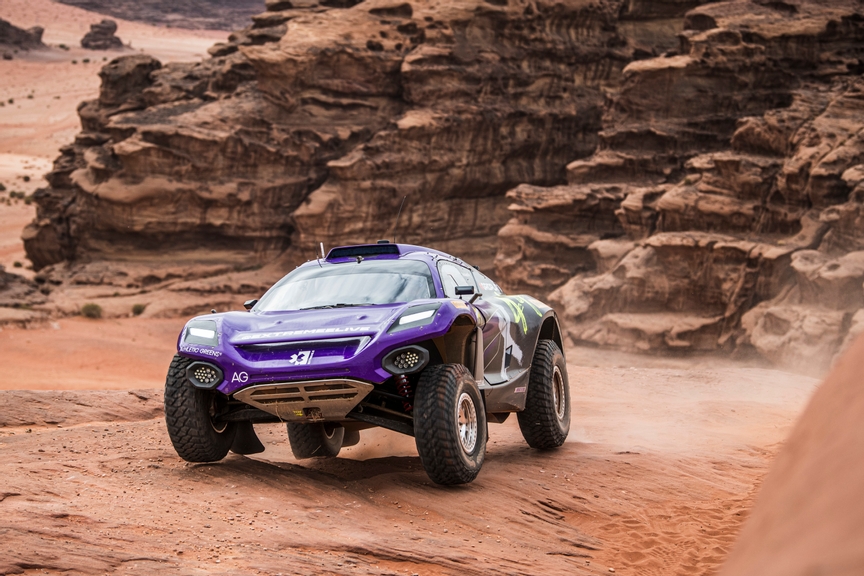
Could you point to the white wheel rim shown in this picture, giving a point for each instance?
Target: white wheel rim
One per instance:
(466, 415)
(559, 396)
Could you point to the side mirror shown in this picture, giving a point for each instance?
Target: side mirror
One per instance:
(249, 304)
(464, 290)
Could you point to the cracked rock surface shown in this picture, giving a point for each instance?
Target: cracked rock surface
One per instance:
(722, 206)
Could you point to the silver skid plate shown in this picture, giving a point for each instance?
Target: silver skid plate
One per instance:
(309, 401)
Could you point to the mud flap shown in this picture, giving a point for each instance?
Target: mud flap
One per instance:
(246, 441)
(352, 438)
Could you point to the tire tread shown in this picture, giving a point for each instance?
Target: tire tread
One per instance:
(539, 420)
(434, 421)
(308, 441)
(187, 420)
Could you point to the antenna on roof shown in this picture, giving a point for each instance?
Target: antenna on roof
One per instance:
(322, 251)
(396, 223)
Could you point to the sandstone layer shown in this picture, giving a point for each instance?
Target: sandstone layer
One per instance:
(722, 208)
(312, 125)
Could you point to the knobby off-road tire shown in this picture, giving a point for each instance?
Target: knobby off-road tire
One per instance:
(188, 412)
(321, 440)
(545, 422)
(449, 424)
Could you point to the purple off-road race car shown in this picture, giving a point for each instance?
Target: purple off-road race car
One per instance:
(391, 335)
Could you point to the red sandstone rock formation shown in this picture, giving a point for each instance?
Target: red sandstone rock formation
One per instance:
(722, 207)
(312, 124)
(712, 197)
(12, 37)
(102, 36)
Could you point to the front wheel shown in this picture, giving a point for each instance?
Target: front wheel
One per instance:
(545, 422)
(319, 440)
(190, 417)
(449, 424)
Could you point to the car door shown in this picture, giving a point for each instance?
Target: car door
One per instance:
(497, 341)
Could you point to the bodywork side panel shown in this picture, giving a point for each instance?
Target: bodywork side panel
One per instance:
(510, 335)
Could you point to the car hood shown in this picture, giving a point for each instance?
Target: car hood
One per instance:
(239, 328)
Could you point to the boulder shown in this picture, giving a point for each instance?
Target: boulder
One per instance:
(101, 36)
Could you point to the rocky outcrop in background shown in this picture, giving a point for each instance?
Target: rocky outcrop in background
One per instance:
(102, 36)
(722, 208)
(17, 38)
(189, 14)
(675, 175)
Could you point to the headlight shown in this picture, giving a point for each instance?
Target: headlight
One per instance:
(204, 375)
(406, 360)
(201, 332)
(416, 316)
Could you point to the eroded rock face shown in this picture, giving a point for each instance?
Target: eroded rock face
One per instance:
(312, 125)
(673, 174)
(734, 167)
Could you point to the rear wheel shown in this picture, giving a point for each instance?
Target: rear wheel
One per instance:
(319, 440)
(449, 424)
(545, 422)
(190, 415)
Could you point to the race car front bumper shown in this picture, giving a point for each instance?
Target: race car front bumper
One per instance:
(307, 401)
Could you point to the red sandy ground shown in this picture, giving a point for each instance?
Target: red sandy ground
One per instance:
(657, 475)
(809, 517)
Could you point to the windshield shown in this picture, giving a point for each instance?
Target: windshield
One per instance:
(350, 284)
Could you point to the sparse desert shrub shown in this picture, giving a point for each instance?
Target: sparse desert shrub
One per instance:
(17, 264)
(63, 46)
(26, 178)
(138, 309)
(91, 310)
(2, 188)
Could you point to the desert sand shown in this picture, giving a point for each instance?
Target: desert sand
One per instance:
(809, 517)
(659, 471)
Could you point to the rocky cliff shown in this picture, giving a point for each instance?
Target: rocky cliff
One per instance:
(312, 124)
(674, 175)
(722, 206)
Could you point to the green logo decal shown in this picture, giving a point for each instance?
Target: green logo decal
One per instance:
(517, 307)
